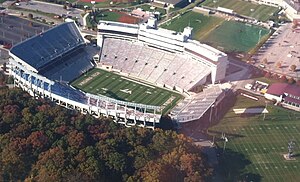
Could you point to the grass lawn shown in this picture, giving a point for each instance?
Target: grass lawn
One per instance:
(106, 15)
(259, 12)
(255, 145)
(235, 36)
(125, 89)
(202, 25)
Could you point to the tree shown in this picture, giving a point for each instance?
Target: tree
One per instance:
(268, 75)
(44, 142)
(293, 67)
(283, 79)
(265, 61)
(291, 81)
(30, 16)
(278, 64)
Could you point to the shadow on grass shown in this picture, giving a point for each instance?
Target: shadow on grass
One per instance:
(232, 166)
(231, 135)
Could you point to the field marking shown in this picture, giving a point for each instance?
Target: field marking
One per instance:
(140, 83)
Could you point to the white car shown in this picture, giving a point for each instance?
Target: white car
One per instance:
(262, 66)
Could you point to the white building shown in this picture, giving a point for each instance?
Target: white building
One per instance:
(291, 7)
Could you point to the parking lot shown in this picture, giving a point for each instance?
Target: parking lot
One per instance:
(281, 51)
(52, 8)
(14, 30)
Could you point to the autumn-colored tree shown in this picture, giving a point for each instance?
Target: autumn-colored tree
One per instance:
(278, 64)
(268, 75)
(44, 142)
(291, 81)
(265, 61)
(283, 79)
(293, 67)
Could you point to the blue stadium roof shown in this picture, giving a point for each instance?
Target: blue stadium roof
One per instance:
(41, 49)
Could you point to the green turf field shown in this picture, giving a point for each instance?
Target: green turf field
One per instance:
(202, 25)
(225, 35)
(105, 15)
(235, 36)
(259, 12)
(98, 81)
(255, 146)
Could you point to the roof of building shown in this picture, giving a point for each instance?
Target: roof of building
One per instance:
(294, 3)
(45, 47)
(293, 100)
(173, 2)
(281, 88)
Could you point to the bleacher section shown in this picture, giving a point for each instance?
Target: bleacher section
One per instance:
(153, 65)
(40, 50)
(194, 107)
(69, 67)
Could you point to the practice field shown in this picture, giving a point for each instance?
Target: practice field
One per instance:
(112, 16)
(257, 11)
(202, 25)
(235, 36)
(255, 147)
(98, 81)
(225, 35)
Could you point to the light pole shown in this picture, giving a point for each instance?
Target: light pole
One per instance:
(211, 110)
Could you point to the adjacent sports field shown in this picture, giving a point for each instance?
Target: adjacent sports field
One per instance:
(230, 36)
(202, 25)
(102, 82)
(235, 36)
(257, 11)
(255, 147)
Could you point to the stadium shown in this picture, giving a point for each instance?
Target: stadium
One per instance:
(140, 73)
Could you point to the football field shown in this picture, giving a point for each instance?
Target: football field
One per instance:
(257, 11)
(98, 81)
(256, 143)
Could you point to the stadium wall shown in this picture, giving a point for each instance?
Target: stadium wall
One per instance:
(129, 116)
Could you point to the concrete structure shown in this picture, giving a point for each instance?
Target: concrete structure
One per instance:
(34, 65)
(164, 58)
(162, 39)
(170, 3)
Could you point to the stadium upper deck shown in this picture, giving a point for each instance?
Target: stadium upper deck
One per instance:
(170, 41)
(38, 51)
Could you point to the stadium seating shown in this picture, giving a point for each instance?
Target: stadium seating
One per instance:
(44, 48)
(153, 65)
(193, 108)
(70, 67)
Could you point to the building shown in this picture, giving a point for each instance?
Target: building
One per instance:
(178, 43)
(169, 3)
(291, 7)
(164, 58)
(286, 94)
(45, 64)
